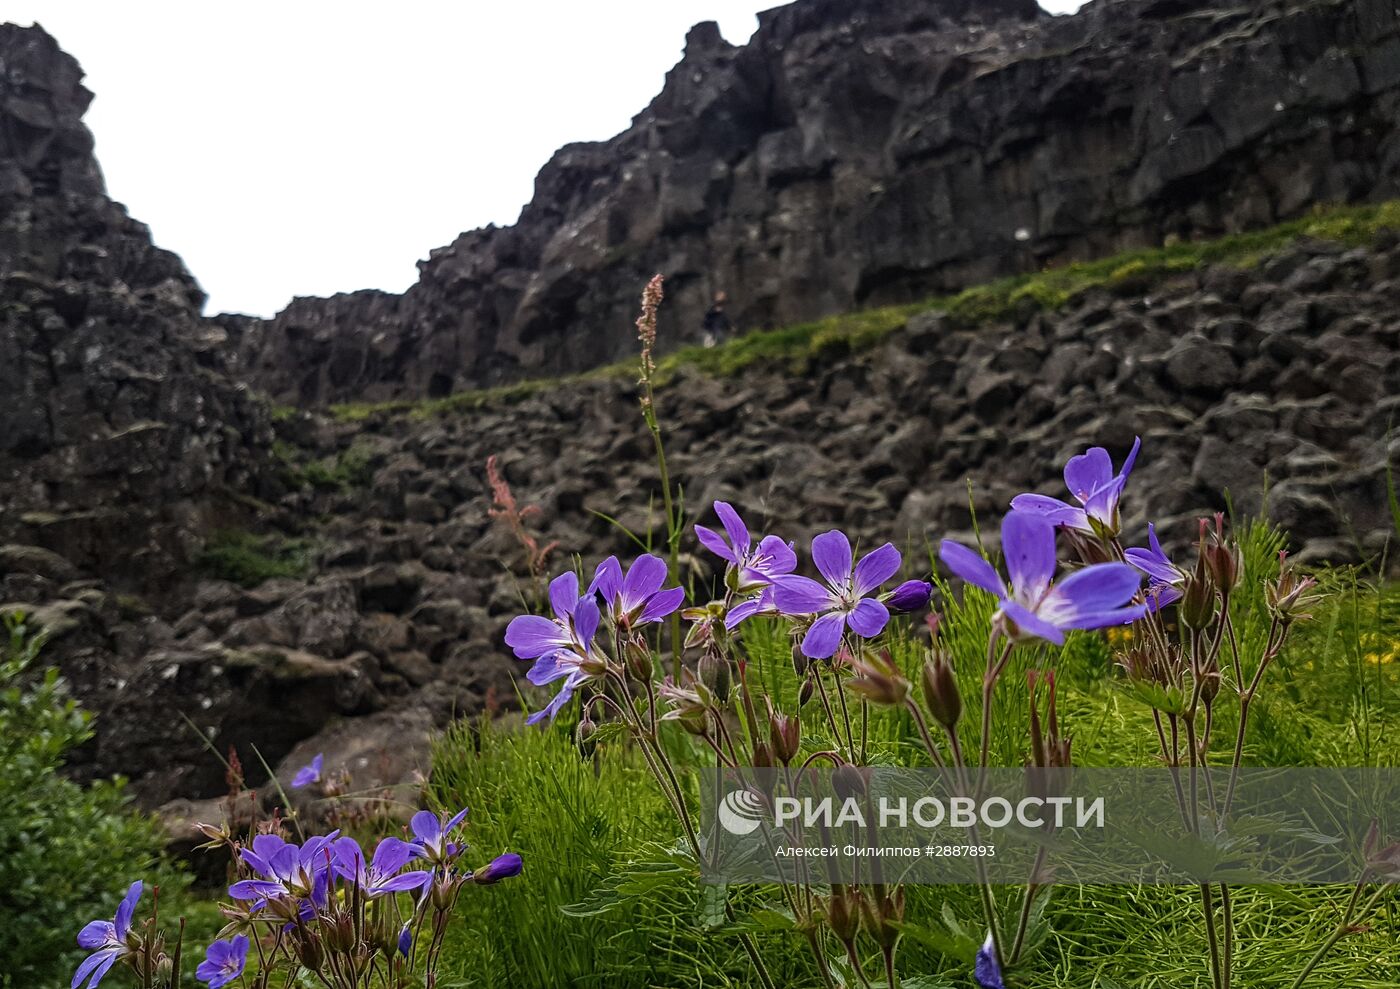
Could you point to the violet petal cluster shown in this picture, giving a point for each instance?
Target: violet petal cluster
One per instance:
(841, 600)
(106, 939)
(1035, 604)
(1094, 485)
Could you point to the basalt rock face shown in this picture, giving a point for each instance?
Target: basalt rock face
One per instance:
(122, 438)
(855, 153)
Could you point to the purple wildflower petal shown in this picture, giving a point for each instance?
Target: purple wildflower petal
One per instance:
(796, 595)
(586, 619)
(661, 604)
(1103, 502)
(256, 889)
(869, 618)
(1028, 543)
(831, 552)
(531, 636)
(403, 883)
(126, 909)
(96, 965)
(1053, 509)
(986, 971)
(1160, 596)
(774, 557)
(970, 566)
(1088, 472)
(549, 668)
(745, 609)
(455, 822)
(391, 855)
(715, 543)
(1101, 587)
(644, 578)
(426, 827)
(875, 568)
(824, 636)
(1029, 623)
(1109, 618)
(563, 594)
(551, 710)
(1162, 572)
(734, 527)
(1131, 459)
(97, 934)
(607, 579)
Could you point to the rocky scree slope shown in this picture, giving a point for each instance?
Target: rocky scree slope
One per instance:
(858, 152)
(1289, 370)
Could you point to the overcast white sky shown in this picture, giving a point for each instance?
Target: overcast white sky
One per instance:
(319, 146)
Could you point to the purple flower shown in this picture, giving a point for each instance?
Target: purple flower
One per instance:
(308, 774)
(430, 834)
(1093, 597)
(106, 939)
(749, 568)
(1093, 484)
(501, 867)
(381, 875)
(842, 602)
(1164, 578)
(223, 962)
(912, 595)
(561, 647)
(987, 971)
(288, 870)
(405, 941)
(636, 598)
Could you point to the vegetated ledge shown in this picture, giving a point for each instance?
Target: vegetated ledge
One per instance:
(796, 347)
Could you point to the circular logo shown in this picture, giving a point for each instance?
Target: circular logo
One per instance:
(741, 812)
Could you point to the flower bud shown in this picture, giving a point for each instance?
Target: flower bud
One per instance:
(879, 679)
(912, 595)
(843, 914)
(799, 661)
(941, 695)
(849, 782)
(309, 950)
(882, 918)
(1197, 607)
(763, 756)
(583, 735)
(340, 935)
(165, 971)
(715, 675)
(501, 867)
(639, 660)
(785, 735)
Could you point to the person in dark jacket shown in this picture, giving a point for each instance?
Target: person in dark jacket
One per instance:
(717, 324)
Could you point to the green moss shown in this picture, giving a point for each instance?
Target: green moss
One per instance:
(796, 347)
(348, 470)
(248, 559)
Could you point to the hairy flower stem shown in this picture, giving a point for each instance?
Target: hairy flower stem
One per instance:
(1343, 928)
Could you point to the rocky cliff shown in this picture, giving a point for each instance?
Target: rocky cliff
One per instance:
(855, 153)
(131, 444)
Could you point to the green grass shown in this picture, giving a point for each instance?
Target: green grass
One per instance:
(599, 835)
(795, 348)
(248, 559)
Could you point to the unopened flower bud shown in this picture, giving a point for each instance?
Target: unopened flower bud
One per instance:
(941, 695)
(639, 660)
(763, 756)
(583, 735)
(1197, 607)
(501, 867)
(714, 674)
(805, 692)
(849, 782)
(310, 951)
(165, 971)
(912, 595)
(799, 661)
(340, 935)
(883, 917)
(879, 679)
(785, 736)
(843, 914)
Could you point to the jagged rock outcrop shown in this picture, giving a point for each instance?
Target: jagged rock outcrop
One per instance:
(855, 153)
(122, 440)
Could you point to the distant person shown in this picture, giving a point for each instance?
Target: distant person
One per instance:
(718, 325)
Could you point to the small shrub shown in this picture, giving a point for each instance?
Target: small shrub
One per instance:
(65, 849)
